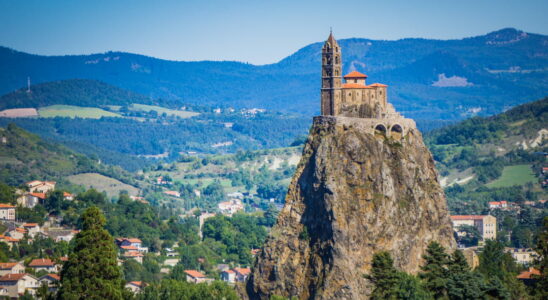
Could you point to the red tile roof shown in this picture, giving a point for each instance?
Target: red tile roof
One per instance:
(12, 277)
(136, 283)
(243, 271)
(41, 262)
(54, 276)
(194, 274)
(39, 195)
(128, 247)
(4, 205)
(229, 271)
(528, 274)
(378, 85)
(355, 74)
(467, 217)
(134, 240)
(30, 225)
(133, 254)
(7, 266)
(355, 86)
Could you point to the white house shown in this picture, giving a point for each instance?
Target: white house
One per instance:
(32, 228)
(37, 186)
(228, 276)
(45, 264)
(18, 284)
(7, 212)
(51, 281)
(135, 286)
(11, 268)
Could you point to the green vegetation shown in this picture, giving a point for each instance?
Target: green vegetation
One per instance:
(514, 175)
(24, 157)
(71, 111)
(162, 110)
(170, 289)
(92, 270)
(445, 276)
(101, 183)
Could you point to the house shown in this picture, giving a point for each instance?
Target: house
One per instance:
(138, 256)
(7, 212)
(30, 200)
(135, 286)
(524, 256)
(498, 204)
(44, 264)
(17, 233)
(131, 244)
(68, 196)
(32, 228)
(18, 284)
(529, 276)
(11, 268)
(37, 186)
(160, 180)
(230, 207)
(242, 274)
(222, 267)
(173, 193)
(486, 225)
(61, 234)
(228, 276)
(51, 281)
(194, 276)
(9, 240)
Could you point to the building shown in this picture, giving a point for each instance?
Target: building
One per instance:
(9, 240)
(529, 277)
(7, 212)
(135, 286)
(44, 264)
(18, 284)
(230, 207)
(17, 233)
(173, 193)
(498, 204)
(30, 200)
(37, 186)
(523, 256)
(242, 274)
(68, 196)
(486, 225)
(11, 268)
(354, 98)
(194, 276)
(138, 256)
(51, 281)
(228, 276)
(131, 244)
(32, 229)
(61, 234)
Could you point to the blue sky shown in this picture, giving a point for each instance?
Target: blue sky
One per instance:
(251, 31)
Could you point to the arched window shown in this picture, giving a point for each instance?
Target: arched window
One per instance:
(380, 129)
(396, 131)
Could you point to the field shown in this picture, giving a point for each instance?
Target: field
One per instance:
(514, 175)
(74, 111)
(160, 110)
(102, 183)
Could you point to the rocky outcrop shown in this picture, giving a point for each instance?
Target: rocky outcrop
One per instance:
(353, 194)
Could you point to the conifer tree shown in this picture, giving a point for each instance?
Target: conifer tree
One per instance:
(462, 282)
(92, 271)
(384, 276)
(435, 273)
(542, 249)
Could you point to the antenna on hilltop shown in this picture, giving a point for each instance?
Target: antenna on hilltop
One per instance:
(28, 84)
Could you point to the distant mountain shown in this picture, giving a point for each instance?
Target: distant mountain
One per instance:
(80, 92)
(428, 79)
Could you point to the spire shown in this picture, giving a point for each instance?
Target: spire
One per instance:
(331, 41)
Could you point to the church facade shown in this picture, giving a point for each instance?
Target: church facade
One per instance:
(350, 95)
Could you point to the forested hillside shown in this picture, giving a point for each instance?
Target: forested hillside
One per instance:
(24, 157)
(428, 79)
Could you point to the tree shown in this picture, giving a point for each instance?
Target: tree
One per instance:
(54, 201)
(435, 272)
(383, 276)
(462, 283)
(542, 249)
(92, 271)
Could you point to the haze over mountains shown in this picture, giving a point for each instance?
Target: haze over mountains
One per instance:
(429, 79)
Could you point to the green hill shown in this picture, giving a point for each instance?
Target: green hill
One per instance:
(79, 92)
(25, 156)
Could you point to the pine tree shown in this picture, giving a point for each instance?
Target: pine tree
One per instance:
(462, 282)
(384, 276)
(435, 273)
(542, 249)
(92, 271)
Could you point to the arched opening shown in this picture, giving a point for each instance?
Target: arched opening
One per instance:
(396, 131)
(380, 129)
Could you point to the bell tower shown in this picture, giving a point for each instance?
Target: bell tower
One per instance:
(331, 76)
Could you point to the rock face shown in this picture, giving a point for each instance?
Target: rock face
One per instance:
(354, 193)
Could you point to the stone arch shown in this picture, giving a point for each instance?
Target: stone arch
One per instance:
(380, 129)
(396, 131)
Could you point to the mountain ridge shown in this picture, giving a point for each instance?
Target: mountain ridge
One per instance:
(506, 67)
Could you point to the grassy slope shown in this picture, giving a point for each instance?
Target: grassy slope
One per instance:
(71, 111)
(101, 183)
(160, 110)
(514, 175)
